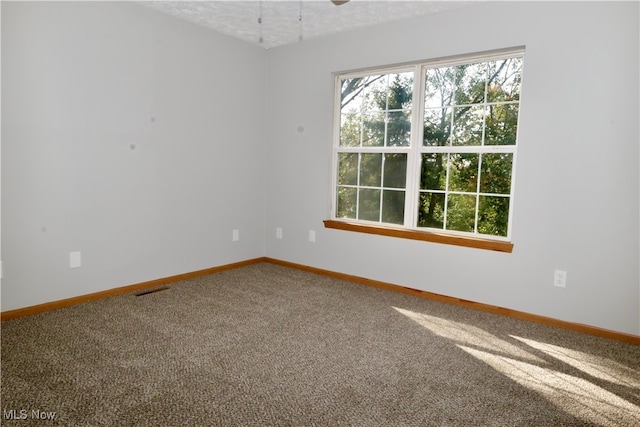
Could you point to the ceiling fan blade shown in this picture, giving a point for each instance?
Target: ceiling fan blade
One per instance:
(339, 2)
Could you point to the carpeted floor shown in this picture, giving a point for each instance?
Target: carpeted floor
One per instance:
(267, 345)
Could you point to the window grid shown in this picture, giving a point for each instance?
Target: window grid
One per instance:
(416, 149)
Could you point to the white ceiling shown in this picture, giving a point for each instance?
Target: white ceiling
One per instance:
(280, 19)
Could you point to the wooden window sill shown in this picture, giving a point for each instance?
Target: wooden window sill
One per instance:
(427, 236)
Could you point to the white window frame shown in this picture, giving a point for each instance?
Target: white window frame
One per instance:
(416, 148)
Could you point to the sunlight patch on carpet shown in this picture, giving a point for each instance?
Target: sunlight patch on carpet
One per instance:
(598, 367)
(577, 396)
(468, 334)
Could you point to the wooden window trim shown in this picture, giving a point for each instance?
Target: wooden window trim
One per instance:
(427, 236)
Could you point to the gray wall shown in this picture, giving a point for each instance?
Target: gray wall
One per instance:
(576, 204)
(81, 82)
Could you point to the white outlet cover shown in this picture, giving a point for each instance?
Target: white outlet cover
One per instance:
(560, 278)
(236, 235)
(75, 259)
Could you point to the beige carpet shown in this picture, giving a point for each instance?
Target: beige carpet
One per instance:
(266, 345)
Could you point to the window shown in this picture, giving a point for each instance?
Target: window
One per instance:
(429, 146)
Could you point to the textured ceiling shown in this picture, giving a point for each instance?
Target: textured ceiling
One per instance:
(281, 23)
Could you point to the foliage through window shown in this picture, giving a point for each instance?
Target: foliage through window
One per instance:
(429, 146)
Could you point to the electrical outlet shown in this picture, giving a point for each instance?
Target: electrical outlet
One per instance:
(279, 233)
(312, 236)
(236, 235)
(75, 259)
(560, 278)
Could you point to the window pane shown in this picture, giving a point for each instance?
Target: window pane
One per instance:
(495, 173)
(502, 124)
(400, 91)
(346, 203)
(504, 80)
(439, 87)
(370, 169)
(467, 125)
(369, 204)
(395, 170)
(461, 212)
(431, 210)
(376, 93)
(398, 128)
(347, 168)
(434, 171)
(463, 172)
(493, 215)
(373, 130)
(437, 126)
(470, 82)
(352, 95)
(393, 206)
(350, 130)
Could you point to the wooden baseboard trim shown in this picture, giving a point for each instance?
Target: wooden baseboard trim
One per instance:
(40, 308)
(577, 327)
